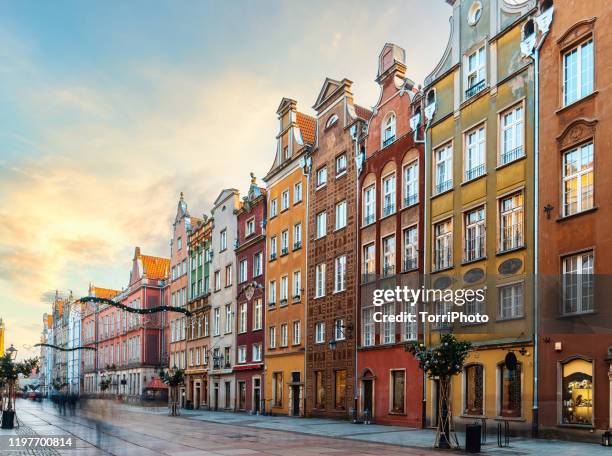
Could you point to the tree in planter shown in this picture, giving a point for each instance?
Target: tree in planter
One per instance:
(441, 363)
(173, 379)
(105, 384)
(9, 374)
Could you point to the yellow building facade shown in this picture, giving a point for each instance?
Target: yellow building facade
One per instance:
(479, 208)
(285, 262)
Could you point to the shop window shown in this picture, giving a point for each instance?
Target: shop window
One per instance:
(340, 390)
(510, 389)
(398, 382)
(474, 389)
(319, 390)
(278, 389)
(577, 392)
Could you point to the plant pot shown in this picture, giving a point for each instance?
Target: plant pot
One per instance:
(8, 419)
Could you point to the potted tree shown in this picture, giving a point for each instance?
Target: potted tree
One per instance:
(442, 362)
(173, 378)
(9, 374)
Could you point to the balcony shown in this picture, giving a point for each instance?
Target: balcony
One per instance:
(388, 141)
(475, 89)
(410, 263)
(475, 172)
(369, 219)
(511, 155)
(388, 209)
(411, 199)
(297, 245)
(444, 186)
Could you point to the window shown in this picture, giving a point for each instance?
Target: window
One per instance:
(367, 336)
(340, 165)
(389, 195)
(228, 275)
(388, 246)
(474, 13)
(577, 392)
(474, 389)
(578, 283)
(217, 280)
(319, 389)
(578, 72)
(286, 152)
(242, 323)
(331, 121)
(476, 72)
(398, 380)
(321, 177)
(179, 243)
(217, 322)
(578, 179)
(321, 224)
(369, 262)
(340, 215)
(223, 240)
(228, 318)
(512, 135)
(284, 242)
(474, 159)
(475, 240)
(273, 208)
(242, 354)
(444, 168)
(320, 280)
(411, 184)
(285, 200)
(320, 332)
(283, 335)
(257, 264)
(442, 308)
(272, 293)
(257, 314)
(511, 301)
(297, 285)
(410, 329)
(443, 245)
(339, 330)
(369, 205)
(297, 192)
(205, 325)
(510, 391)
(277, 378)
(388, 327)
(250, 227)
(388, 133)
(340, 274)
(296, 333)
(256, 352)
(243, 271)
(273, 248)
(340, 389)
(272, 337)
(411, 248)
(511, 222)
(284, 289)
(297, 236)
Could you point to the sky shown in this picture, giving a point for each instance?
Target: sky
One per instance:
(109, 109)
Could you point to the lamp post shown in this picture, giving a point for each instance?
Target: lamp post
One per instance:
(8, 415)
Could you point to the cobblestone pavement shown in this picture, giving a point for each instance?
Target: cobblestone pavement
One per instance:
(109, 429)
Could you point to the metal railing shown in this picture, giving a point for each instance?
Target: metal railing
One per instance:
(410, 263)
(368, 219)
(475, 172)
(443, 186)
(511, 155)
(411, 199)
(474, 89)
(297, 245)
(388, 141)
(388, 209)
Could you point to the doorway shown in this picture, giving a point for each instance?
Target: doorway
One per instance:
(256, 395)
(216, 397)
(242, 395)
(368, 404)
(196, 399)
(295, 393)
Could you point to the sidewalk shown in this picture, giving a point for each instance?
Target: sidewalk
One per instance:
(393, 435)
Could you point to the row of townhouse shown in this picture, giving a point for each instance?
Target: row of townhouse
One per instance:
(491, 177)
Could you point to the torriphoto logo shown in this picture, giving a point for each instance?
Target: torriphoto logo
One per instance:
(305, 227)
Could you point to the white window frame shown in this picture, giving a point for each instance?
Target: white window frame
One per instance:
(320, 280)
(512, 134)
(340, 214)
(388, 194)
(411, 183)
(340, 274)
(582, 68)
(321, 176)
(320, 332)
(583, 170)
(474, 157)
(369, 205)
(321, 224)
(341, 170)
(443, 168)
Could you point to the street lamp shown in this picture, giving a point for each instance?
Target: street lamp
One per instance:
(12, 352)
(343, 331)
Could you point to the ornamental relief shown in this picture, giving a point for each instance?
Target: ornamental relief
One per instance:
(576, 132)
(576, 31)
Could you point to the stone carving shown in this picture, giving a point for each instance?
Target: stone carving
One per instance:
(578, 30)
(577, 131)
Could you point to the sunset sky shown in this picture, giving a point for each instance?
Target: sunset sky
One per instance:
(108, 110)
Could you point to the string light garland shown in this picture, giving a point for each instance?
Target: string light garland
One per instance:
(147, 311)
(65, 349)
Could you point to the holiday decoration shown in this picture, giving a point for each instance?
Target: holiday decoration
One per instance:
(147, 311)
(441, 363)
(55, 347)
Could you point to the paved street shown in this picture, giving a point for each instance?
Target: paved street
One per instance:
(125, 430)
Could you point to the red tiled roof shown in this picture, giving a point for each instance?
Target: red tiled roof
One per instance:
(106, 293)
(155, 268)
(307, 125)
(363, 113)
(156, 383)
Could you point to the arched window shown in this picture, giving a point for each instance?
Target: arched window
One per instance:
(577, 392)
(510, 389)
(331, 121)
(388, 133)
(474, 389)
(431, 97)
(528, 29)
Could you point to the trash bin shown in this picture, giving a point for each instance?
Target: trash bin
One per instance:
(472, 438)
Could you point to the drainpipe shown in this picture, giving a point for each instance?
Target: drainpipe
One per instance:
(536, 294)
(306, 172)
